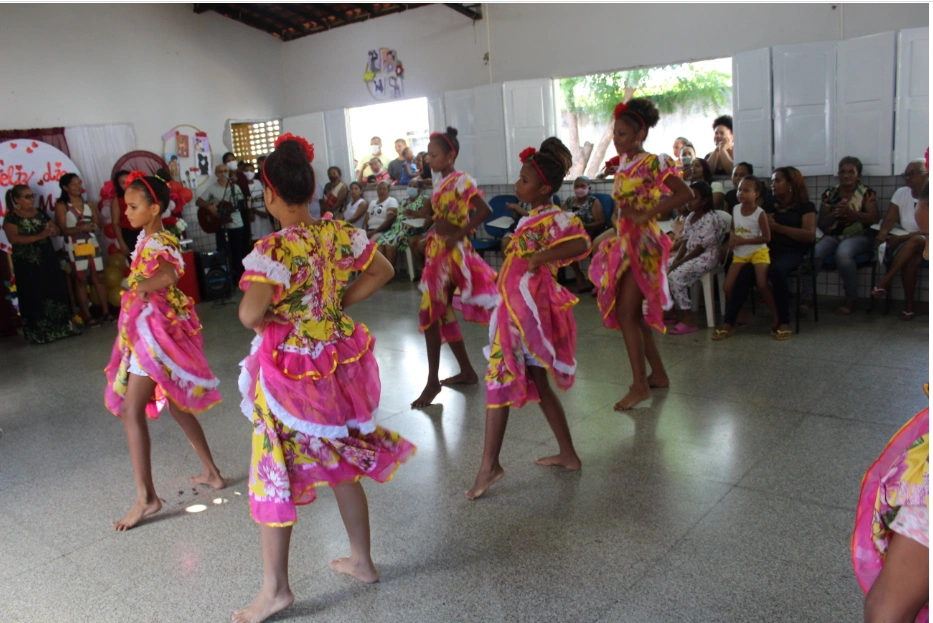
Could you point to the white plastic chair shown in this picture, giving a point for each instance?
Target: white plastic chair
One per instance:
(718, 273)
(409, 258)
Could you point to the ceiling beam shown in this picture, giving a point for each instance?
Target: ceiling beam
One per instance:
(464, 9)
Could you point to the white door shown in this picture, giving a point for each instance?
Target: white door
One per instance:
(751, 109)
(865, 101)
(529, 118)
(459, 113)
(337, 133)
(312, 128)
(912, 131)
(804, 102)
(436, 120)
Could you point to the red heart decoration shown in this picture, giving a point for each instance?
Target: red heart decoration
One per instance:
(35, 144)
(13, 145)
(29, 150)
(41, 183)
(57, 164)
(19, 167)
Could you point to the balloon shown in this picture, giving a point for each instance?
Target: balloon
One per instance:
(112, 276)
(112, 249)
(108, 230)
(115, 296)
(125, 284)
(116, 259)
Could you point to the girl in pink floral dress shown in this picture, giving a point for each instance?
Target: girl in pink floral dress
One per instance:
(532, 333)
(158, 357)
(891, 539)
(630, 269)
(452, 265)
(310, 385)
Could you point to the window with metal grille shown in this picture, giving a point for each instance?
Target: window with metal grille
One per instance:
(251, 140)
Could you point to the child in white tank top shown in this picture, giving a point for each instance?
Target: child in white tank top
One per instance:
(749, 243)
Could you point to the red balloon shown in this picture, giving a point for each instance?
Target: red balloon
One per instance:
(108, 230)
(113, 249)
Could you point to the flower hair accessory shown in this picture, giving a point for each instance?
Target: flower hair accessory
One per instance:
(139, 175)
(305, 145)
(446, 138)
(528, 155)
(623, 108)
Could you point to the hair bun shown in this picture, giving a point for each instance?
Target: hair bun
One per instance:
(555, 149)
(451, 132)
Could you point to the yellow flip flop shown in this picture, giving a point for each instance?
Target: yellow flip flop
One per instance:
(783, 335)
(721, 334)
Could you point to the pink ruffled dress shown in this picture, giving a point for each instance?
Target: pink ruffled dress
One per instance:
(533, 323)
(311, 387)
(643, 249)
(160, 338)
(895, 498)
(460, 267)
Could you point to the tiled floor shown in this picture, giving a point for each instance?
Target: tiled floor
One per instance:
(730, 497)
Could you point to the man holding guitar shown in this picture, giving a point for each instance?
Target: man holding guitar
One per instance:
(218, 213)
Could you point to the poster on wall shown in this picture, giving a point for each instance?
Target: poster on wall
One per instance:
(181, 143)
(39, 166)
(189, 164)
(384, 74)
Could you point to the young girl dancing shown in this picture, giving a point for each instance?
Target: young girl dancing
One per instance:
(749, 243)
(452, 264)
(532, 332)
(158, 356)
(311, 382)
(631, 268)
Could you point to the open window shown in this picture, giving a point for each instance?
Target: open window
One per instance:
(407, 120)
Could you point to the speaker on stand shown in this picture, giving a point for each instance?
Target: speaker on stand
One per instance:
(214, 276)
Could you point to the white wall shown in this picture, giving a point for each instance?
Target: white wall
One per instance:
(443, 50)
(439, 48)
(152, 65)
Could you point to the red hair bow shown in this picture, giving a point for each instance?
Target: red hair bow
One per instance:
(621, 109)
(135, 175)
(527, 154)
(305, 145)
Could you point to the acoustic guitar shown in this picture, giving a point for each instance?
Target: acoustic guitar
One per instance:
(211, 222)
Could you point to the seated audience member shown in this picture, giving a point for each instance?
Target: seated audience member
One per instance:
(720, 159)
(365, 162)
(41, 289)
(396, 167)
(904, 253)
(688, 154)
(419, 207)
(314, 206)
(588, 208)
(792, 220)
(335, 193)
(409, 168)
(378, 174)
(382, 212)
(419, 160)
(357, 207)
(847, 213)
(699, 171)
(699, 254)
(677, 147)
(740, 170)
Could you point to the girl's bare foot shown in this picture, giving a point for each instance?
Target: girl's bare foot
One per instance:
(140, 511)
(264, 606)
(211, 479)
(484, 480)
(633, 397)
(464, 378)
(431, 390)
(659, 381)
(362, 570)
(570, 461)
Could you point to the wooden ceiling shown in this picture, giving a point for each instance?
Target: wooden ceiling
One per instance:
(292, 21)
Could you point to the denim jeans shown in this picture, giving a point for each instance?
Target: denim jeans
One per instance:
(844, 252)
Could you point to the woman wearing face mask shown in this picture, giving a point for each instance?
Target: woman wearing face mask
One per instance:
(335, 193)
(589, 210)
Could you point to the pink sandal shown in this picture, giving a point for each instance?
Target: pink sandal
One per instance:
(683, 329)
